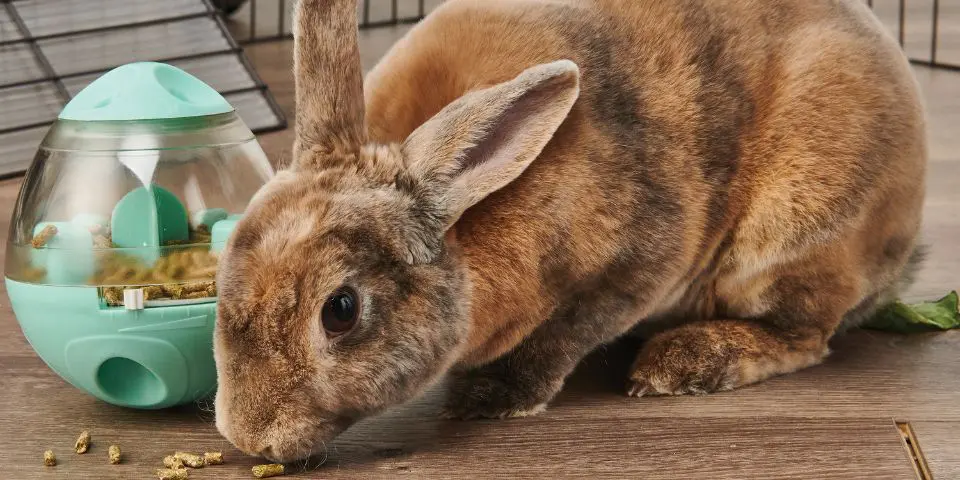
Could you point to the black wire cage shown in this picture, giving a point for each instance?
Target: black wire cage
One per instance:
(270, 20)
(51, 49)
(917, 24)
(928, 30)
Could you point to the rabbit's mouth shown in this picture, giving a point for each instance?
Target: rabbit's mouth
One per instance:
(303, 443)
(285, 440)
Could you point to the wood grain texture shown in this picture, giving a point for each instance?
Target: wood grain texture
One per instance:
(940, 444)
(611, 448)
(663, 448)
(831, 421)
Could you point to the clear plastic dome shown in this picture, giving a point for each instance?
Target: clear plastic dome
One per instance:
(125, 204)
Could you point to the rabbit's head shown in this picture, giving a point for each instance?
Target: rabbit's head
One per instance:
(341, 291)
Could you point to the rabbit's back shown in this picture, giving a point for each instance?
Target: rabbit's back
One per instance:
(714, 141)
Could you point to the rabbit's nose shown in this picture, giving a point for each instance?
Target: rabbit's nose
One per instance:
(267, 452)
(273, 453)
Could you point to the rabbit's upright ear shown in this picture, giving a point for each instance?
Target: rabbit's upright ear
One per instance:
(329, 81)
(487, 138)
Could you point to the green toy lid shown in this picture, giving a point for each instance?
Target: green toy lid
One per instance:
(145, 91)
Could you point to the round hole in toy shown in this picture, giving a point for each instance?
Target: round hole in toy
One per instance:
(130, 382)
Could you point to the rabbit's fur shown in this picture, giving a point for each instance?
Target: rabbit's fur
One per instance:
(527, 180)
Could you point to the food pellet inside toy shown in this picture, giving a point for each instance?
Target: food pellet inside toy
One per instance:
(266, 471)
(185, 273)
(83, 442)
(193, 290)
(183, 270)
(41, 239)
(102, 241)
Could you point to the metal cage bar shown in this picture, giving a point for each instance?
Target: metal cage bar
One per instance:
(934, 60)
(902, 19)
(257, 81)
(935, 35)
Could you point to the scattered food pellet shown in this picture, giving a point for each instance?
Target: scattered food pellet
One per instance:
(265, 471)
(213, 458)
(171, 461)
(114, 452)
(191, 460)
(49, 459)
(44, 236)
(83, 442)
(173, 474)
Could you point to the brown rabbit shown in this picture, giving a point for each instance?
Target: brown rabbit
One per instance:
(527, 180)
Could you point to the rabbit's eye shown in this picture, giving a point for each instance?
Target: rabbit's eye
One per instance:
(340, 312)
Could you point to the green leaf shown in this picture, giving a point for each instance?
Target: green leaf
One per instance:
(942, 314)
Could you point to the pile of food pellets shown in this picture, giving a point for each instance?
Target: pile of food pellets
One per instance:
(175, 466)
(182, 273)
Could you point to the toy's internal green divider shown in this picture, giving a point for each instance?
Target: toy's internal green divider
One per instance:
(151, 358)
(221, 232)
(147, 217)
(145, 91)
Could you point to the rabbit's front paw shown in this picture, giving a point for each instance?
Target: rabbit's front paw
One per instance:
(681, 362)
(472, 396)
(718, 355)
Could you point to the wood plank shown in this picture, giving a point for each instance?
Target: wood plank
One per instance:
(613, 448)
(667, 448)
(940, 444)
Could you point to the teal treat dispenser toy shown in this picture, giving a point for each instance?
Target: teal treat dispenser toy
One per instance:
(112, 251)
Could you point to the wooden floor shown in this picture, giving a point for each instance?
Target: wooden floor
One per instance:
(836, 420)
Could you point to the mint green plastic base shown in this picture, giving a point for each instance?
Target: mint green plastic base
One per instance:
(151, 358)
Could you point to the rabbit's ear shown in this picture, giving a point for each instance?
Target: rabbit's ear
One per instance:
(329, 80)
(487, 138)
